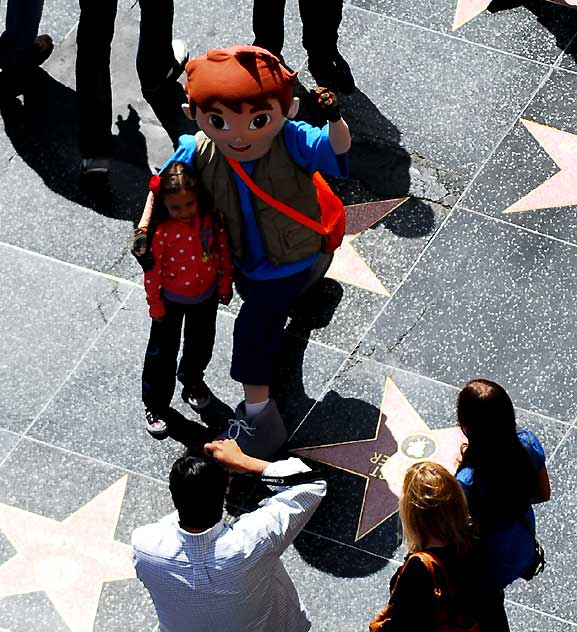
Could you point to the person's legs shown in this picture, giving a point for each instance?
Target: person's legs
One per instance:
(493, 613)
(258, 330)
(158, 70)
(198, 343)
(268, 24)
(159, 371)
(93, 88)
(326, 64)
(22, 22)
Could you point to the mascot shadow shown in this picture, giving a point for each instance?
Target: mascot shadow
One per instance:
(43, 130)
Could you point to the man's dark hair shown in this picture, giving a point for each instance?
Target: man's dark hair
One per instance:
(198, 487)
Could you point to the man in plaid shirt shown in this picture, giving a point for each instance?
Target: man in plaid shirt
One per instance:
(204, 574)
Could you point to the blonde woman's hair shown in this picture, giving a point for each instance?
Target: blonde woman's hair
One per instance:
(433, 506)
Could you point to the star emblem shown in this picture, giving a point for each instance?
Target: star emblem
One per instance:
(467, 10)
(401, 439)
(347, 265)
(561, 188)
(68, 560)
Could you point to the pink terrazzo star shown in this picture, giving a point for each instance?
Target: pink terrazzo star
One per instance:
(468, 9)
(401, 439)
(348, 266)
(67, 560)
(561, 188)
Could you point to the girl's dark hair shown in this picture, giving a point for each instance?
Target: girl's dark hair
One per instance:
(504, 478)
(178, 176)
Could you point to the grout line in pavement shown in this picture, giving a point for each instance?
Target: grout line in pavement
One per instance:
(74, 266)
(68, 376)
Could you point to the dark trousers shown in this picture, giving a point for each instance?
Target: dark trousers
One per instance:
(493, 614)
(258, 328)
(320, 18)
(154, 61)
(160, 369)
(22, 21)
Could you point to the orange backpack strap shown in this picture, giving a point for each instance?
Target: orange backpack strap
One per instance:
(279, 206)
(431, 562)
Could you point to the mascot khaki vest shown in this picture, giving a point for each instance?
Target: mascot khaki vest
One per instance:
(285, 241)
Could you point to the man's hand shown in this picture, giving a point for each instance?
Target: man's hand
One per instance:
(230, 456)
(327, 103)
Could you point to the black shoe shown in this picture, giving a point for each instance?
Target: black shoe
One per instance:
(155, 424)
(198, 397)
(333, 73)
(344, 76)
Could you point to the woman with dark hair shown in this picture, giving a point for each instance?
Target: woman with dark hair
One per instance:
(502, 473)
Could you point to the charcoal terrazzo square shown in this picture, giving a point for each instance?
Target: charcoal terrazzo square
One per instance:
(535, 29)
(529, 180)
(51, 313)
(488, 299)
(444, 100)
(355, 583)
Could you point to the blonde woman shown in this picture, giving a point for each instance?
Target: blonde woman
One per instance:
(435, 589)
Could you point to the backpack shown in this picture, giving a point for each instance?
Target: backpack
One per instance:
(332, 224)
(445, 621)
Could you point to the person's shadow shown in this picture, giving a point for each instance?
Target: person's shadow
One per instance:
(43, 129)
(560, 21)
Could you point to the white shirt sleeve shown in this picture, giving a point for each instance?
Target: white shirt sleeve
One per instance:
(278, 520)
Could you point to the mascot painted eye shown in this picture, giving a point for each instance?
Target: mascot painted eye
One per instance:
(260, 121)
(218, 122)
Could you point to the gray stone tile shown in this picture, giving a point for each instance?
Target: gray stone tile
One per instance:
(522, 163)
(534, 29)
(350, 412)
(528, 620)
(445, 100)
(219, 24)
(487, 299)
(50, 315)
(341, 588)
(100, 403)
(7, 441)
(555, 590)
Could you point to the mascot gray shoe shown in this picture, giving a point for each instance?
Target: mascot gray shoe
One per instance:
(261, 436)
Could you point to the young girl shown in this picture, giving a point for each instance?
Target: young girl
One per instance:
(502, 473)
(191, 273)
(435, 588)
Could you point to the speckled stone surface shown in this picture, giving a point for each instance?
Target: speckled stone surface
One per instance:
(488, 300)
(534, 29)
(464, 291)
(51, 314)
(522, 164)
(447, 101)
